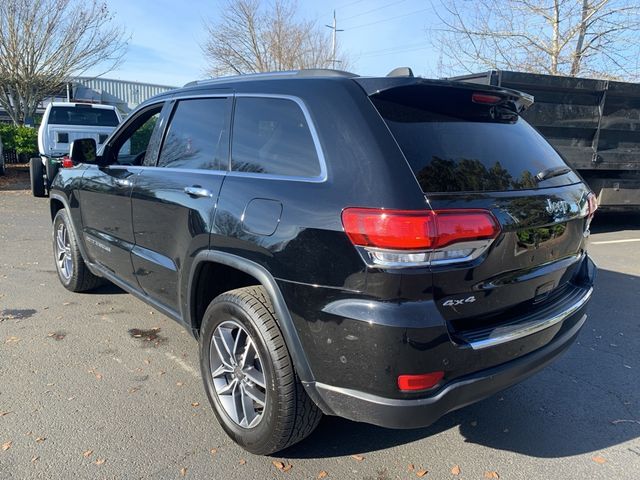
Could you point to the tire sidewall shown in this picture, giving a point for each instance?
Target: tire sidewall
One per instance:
(63, 217)
(258, 438)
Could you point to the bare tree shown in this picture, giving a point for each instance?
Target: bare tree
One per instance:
(598, 38)
(44, 42)
(251, 37)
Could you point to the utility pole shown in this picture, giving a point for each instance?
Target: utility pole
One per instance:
(333, 41)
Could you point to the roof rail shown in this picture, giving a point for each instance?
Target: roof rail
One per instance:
(311, 72)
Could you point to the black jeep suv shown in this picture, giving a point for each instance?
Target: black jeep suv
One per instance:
(382, 249)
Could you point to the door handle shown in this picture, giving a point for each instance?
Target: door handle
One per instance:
(123, 182)
(197, 191)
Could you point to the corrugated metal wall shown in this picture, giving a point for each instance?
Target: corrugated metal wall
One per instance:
(125, 95)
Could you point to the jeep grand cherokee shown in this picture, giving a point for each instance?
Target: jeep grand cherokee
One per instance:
(383, 249)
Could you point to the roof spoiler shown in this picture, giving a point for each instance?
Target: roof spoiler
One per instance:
(519, 101)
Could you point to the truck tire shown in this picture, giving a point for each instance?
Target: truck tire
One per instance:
(36, 172)
(249, 376)
(51, 169)
(72, 270)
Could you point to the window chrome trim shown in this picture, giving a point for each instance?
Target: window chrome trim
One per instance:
(322, 176)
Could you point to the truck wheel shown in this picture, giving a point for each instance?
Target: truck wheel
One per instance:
(249, 376)
(51, 169)
(72, 271)
(36, 172)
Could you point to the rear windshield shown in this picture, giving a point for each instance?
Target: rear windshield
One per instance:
(83, 115)
(454, 145)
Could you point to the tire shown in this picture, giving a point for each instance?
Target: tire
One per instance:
(72, 270)
(36, 172)
(51, 169)
(288, 414)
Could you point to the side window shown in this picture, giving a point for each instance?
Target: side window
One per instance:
(271, 136)
(198, 135)
(131, 147)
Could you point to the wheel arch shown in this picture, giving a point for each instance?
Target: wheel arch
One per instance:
(246, 271)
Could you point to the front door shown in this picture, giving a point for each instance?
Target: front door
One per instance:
(174, 203)
(106, 194)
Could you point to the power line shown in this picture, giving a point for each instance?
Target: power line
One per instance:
(393, 52)
(387, 19)
(374, 10)
(396, 49)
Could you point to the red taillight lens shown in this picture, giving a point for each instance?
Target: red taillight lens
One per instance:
(593, 204)
(394, 229)
(416, 230)
(66, 162)
(485, 98)
(411, 383)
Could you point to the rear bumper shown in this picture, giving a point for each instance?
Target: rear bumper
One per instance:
(420, 412)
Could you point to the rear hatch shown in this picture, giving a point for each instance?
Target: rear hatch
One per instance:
(68, 123)
(469, 149)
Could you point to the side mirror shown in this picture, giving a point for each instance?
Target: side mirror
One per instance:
(83, 151)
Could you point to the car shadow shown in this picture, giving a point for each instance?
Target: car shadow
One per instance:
(108, 289)
(605, 222)
(586, 401)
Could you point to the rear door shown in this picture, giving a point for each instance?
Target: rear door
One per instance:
(174, 203)
(105, 193)
(470, 150)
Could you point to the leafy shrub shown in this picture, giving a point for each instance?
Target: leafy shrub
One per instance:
(22, 140)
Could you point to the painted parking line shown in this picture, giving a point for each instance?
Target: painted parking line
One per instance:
(605, 242)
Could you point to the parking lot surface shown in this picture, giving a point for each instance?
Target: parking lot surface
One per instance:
(99, 385)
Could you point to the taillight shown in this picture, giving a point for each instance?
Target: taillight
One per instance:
(592, 201)
(67, 162)
(399, 238)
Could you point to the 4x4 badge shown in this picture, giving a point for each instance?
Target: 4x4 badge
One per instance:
(461, 301)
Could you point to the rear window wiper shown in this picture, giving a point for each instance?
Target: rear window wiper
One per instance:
(552, 172)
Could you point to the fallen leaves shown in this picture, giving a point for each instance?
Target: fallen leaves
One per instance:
(98, 375)
(455, 470)
(40, 439)
(322, 474)
(284, 467)
(2, 414)
(411, 467)
(214, 451)
(357, 458)
(242, 461)
(100, 461)
(598, 459)
(195, 404)
(34, 459)
(421, 473)
(56, 335)
(491, 474)
(12, 340)
(87, 453)
(183, 471)
(6, 445)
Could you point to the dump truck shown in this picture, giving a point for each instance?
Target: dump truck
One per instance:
(594, 124)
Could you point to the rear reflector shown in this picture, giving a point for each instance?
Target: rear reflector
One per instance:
(412, 383)
(417, 230)
(67, 162)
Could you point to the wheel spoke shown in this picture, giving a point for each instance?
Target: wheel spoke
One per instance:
(255, 394)
(248, 411)
(223, 353)
(228, 388)
(237, 342)
(249, 354)
(256, 376)
(221, 370)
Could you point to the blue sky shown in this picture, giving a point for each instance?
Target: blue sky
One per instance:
(166, 36)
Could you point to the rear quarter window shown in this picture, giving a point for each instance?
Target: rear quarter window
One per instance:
(272, 136)
(453, 145)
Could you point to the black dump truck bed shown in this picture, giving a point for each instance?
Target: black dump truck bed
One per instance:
(594, 124)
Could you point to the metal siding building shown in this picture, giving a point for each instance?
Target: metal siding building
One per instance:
(122, 94)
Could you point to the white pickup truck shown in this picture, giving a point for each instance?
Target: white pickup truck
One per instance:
(62, 123)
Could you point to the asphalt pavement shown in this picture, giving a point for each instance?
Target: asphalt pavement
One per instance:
(99, 385)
